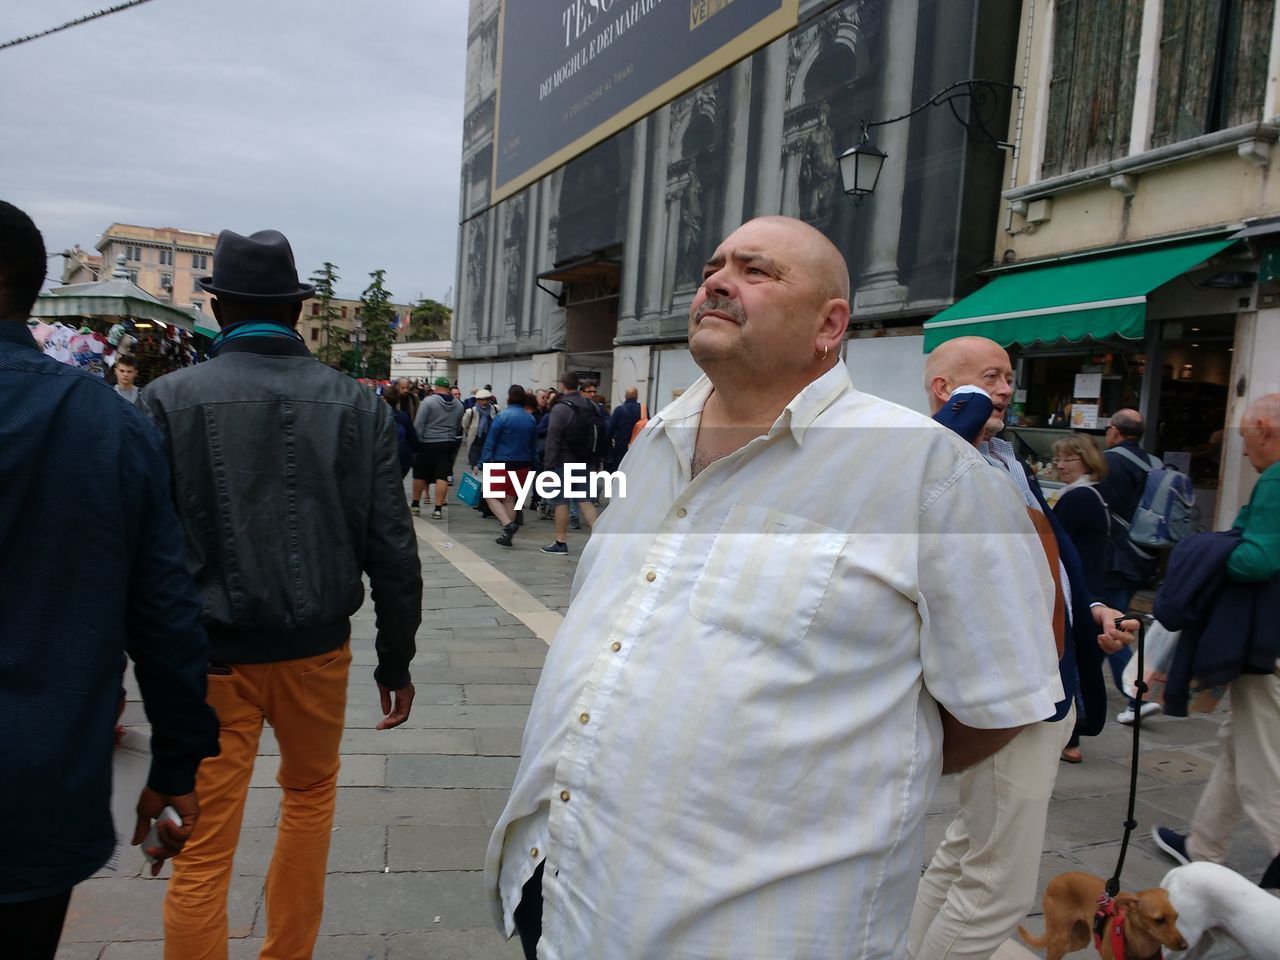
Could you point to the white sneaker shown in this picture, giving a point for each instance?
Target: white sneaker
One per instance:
(1148, 708)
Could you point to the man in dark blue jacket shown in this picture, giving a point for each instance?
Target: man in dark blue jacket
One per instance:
(621, 423)
(91, 567)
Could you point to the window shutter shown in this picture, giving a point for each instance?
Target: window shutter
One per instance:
(1064, 54)
(1248, 49)
(1091, 89)
(1188, 58)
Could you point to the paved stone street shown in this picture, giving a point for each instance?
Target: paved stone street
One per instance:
(416, 804)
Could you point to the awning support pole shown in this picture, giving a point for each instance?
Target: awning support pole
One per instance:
(1149, 398)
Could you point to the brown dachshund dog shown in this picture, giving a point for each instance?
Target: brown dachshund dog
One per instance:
(1071, 902)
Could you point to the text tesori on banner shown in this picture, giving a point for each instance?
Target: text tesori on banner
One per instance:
(575, 481)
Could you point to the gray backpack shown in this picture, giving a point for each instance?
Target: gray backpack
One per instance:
(1166, 510)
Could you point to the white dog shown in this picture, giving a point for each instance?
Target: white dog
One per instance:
(1209, 897)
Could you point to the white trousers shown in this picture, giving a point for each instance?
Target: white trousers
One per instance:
(1246, 778)
(982, 879)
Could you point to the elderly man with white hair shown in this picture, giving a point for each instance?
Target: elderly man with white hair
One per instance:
(1246, 777)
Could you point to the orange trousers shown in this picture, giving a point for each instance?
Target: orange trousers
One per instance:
(305, 703)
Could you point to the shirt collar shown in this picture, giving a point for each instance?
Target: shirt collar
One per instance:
(17, 333)
(798, 415)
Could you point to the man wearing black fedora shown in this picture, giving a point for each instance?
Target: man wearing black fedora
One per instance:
(286, 477)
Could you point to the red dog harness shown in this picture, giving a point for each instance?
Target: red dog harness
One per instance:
(1107, 910)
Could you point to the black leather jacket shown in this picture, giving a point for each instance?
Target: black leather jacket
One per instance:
(287, 481)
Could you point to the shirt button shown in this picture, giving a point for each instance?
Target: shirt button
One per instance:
(682, 513)
(615, 646)
(533, 852)
(651, 576)
(584, 718)
(564, 795)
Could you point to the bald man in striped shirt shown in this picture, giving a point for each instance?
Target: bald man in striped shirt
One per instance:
(775, 645)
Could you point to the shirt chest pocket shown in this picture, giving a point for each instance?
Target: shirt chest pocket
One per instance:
(766, 574)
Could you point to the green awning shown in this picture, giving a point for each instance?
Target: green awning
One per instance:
(1104, 296)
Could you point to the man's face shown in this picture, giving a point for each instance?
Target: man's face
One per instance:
(987, 366)
(125, 375)
(589, 391)
(542, 399)
(457, 394)
(758, 306)
(483, 401)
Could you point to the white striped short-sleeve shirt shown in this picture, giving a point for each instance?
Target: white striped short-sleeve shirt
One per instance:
(735, 736)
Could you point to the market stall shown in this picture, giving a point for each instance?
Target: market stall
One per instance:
(89, 324)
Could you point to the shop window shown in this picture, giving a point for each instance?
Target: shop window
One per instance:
(1091, 88)
(1213, 66)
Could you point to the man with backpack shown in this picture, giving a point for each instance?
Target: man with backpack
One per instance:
(1127, 466)
(1148, 503)
(575, 434)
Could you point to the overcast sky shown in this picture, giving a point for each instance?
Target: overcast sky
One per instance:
(337, 122)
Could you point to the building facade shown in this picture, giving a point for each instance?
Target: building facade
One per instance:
(346, 313)
(592, 268)
(164, 261)
(1140, 229)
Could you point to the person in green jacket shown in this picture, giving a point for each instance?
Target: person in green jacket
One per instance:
(1246, 776)
(1258, 556)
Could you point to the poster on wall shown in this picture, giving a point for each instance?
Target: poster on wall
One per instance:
(574, 72)
(1084, 416)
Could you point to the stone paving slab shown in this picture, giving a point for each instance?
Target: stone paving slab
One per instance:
(453, 945)
(466, 772)
(384, 903)
(419, 806)
(439, 847)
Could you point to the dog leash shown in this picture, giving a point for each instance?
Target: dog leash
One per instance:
(1106, 903)
(1140, 687)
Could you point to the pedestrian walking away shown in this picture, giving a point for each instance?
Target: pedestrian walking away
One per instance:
(288, 485)
(665, 804)
(574, 427)
(622, 424)
(1128, 570)
(438, 426)
(510, 444)
(77, 598)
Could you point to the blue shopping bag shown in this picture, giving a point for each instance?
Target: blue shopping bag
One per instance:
(469, 490)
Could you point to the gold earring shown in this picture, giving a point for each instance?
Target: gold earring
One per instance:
(824, 353)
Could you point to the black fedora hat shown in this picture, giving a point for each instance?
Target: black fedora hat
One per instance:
(258, 268)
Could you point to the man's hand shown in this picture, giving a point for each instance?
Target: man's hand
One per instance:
(394, 714)
(172, 837)
(1114, 637)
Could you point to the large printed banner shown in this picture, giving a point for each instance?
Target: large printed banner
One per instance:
(573, 72)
